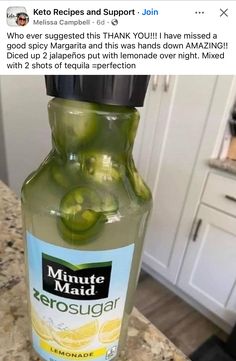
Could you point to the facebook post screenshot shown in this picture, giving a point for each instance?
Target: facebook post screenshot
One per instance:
(117, 180)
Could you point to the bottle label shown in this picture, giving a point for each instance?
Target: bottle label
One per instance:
(77, 300)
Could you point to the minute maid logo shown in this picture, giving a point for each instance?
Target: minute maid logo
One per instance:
(82, 282)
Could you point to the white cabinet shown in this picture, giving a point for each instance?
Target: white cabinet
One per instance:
(190, 124)
(220, 193)
(209, 270)
(26, 132)
(181, 119)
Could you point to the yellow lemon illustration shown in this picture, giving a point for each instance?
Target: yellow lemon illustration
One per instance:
(110, 331)
(77, 338)
(40, 327)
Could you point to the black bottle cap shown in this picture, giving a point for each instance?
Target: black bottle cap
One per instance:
(126, 90)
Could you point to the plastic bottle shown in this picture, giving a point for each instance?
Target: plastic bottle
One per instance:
(85, 211)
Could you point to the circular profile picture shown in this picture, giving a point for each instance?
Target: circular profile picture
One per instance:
(22, 19)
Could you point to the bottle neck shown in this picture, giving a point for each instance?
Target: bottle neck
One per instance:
(80, 128)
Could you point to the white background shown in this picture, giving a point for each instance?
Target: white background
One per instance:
(174, 17)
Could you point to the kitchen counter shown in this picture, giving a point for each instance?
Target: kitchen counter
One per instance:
(226, 165)
(145, 342)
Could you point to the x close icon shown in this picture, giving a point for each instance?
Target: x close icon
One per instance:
(224, 12)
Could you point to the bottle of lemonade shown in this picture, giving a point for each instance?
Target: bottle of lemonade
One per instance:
(85, 210)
